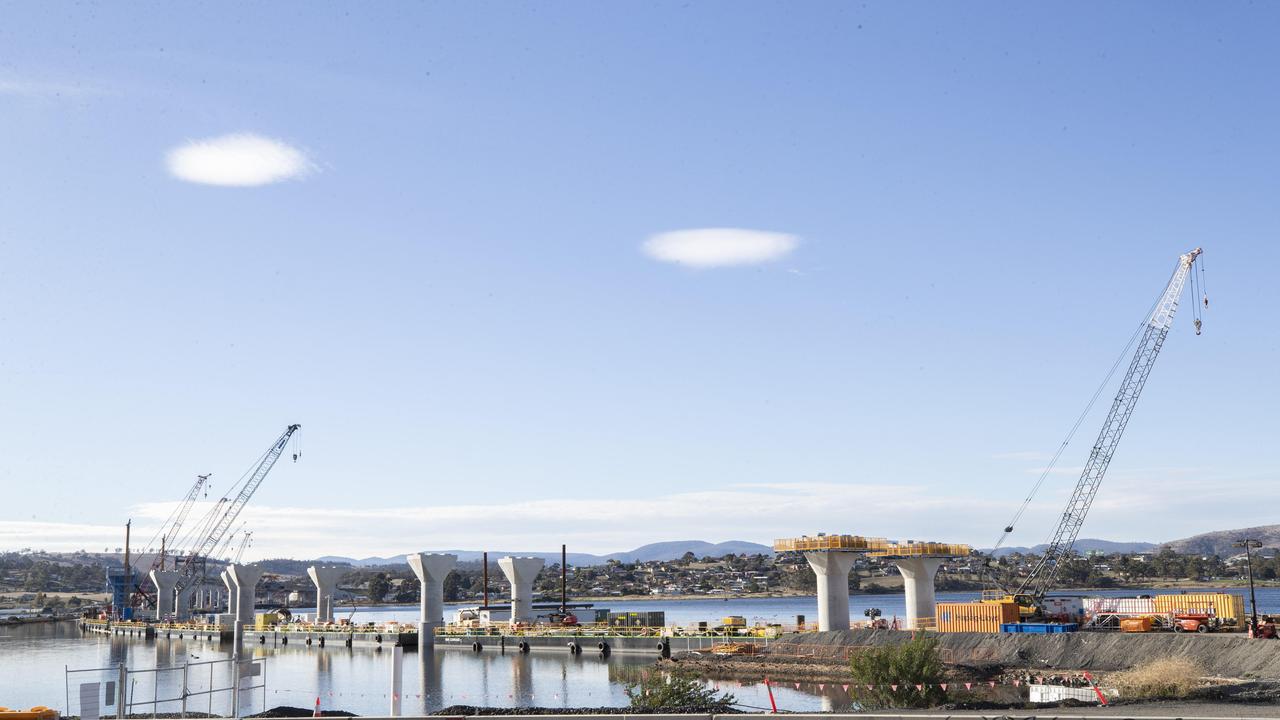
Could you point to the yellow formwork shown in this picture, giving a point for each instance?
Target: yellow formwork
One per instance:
(874, 546)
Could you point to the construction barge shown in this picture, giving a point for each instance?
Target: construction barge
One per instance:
(351, 636)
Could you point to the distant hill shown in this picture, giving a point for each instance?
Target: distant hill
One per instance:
(1085, 545)
(1219, 542)
(646, 553)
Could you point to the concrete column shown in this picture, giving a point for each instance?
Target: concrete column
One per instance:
(182, 603)
(326, 579)
(231, 593)
(917, 584)
(245, 578)
(165, 581)
(431, 569)
(520, 572)
(832, 569)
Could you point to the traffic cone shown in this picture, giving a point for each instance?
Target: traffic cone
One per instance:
(316, 713)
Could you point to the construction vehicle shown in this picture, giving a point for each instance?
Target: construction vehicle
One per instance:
(1150, 337)
(1195, 622)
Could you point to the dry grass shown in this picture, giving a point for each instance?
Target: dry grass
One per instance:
(1173, 677)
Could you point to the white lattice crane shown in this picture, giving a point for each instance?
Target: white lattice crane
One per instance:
(1155, 329)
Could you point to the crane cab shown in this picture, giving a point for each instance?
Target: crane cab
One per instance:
(1028, 608)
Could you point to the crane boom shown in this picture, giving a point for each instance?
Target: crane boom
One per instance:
(1042, 577)
(219, 528)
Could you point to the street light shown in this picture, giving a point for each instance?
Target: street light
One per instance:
(1249, 544)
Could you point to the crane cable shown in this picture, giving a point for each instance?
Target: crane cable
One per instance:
(1079, 421)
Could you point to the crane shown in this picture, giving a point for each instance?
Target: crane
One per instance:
(1154, 330)
(171, 528)
(220, 518)
(244, 543)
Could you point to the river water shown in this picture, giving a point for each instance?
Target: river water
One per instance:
(34, 658)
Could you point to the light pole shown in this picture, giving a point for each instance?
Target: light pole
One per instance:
(1249, 544)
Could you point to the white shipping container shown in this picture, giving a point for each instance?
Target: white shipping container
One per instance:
(1064, 609)
(1119, 606)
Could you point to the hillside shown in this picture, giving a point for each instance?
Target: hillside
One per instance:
(646, 553)
(1084, 545)
(1220, 541)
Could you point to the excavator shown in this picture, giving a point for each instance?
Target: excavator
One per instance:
(1150, 337)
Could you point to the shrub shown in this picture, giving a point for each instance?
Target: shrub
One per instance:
(911, 664)
(676, 692)
(1172, 677)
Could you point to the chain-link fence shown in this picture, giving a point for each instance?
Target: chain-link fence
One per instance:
(93, 693)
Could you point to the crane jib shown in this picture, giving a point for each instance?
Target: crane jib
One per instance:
(219, 529)
(1043, 575)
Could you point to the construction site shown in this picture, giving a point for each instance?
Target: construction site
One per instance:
(205, 592)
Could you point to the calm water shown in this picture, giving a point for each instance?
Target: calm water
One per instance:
(33, 659)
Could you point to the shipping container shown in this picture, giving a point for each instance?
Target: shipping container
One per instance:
(1119, 606)
(1039, 628)
(974, 616)
(602, 616)
(1063, 609)
(1224, 606)
(1136, 624)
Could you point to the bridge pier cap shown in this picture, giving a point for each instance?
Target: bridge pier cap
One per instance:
(245, 578)
(325, 578)
(431, 569)
(520, 572)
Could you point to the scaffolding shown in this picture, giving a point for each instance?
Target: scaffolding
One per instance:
(873, 546)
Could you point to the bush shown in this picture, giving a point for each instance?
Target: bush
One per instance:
(676, 692)
(912, 663)
(1172, 677)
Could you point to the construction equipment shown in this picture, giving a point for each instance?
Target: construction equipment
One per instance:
(171, 529)
(245, 543)
(1030, 594)
(214, 526)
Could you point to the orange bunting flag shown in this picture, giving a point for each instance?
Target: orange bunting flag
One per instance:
(871, 687)
(968, 686)
(1040, 680)
(992, 683)
(1017, 683)
(919, 687)
(943, 686)
(822, 686)
(893, 688)
(846, 688)
(797, 686)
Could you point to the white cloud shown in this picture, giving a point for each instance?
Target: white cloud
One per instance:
(717, 247)
(240, 160)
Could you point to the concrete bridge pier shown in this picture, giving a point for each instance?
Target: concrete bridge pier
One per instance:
(326, 579)
(231, 594)
(520, 572)
(165, 581)
(182, 602)
(917, 585)
(431, 569)
(245, 578)
(832, 570)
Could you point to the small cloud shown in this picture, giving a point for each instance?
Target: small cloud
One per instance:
(718, 247)
(240, 160)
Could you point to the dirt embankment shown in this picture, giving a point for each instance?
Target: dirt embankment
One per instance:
(1225, 655)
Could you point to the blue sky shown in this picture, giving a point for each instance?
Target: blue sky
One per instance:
(970, 207)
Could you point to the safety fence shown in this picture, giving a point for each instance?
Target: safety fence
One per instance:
(191, 687)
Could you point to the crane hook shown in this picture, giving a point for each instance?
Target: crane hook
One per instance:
(1197, 326)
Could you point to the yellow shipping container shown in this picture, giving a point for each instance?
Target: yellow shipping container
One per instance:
(1227, 607)
(975, 616)
(263, 621)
